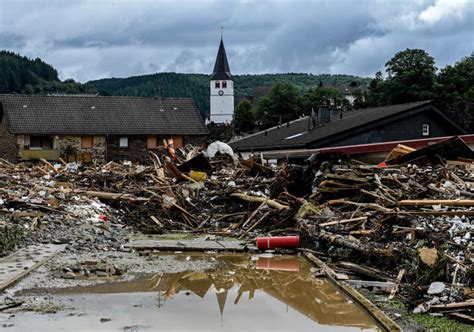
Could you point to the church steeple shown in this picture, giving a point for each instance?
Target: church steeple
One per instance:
(221, 67)
(221, 90)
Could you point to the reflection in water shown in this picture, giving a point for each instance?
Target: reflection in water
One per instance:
(285, 278)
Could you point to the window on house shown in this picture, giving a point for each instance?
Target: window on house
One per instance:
(87, 142)
(425, 129)
(224, 84)
(152, 142)
(41, 142)
(123, 142)
(218, 85)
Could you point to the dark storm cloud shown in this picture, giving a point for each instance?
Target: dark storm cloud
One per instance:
(87, 39)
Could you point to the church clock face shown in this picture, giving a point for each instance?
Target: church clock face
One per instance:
(221, 93)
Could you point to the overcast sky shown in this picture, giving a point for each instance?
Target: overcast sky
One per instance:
(91, 39)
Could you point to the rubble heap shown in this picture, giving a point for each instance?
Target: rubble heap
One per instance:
(407, 224)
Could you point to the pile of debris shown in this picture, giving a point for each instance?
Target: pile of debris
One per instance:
(407, 222)
(407, 225)
(202, 191)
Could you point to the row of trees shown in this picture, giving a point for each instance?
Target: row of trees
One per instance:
(284, 103)
(411, 75)
(196, 86)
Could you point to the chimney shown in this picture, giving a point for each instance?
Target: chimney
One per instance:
(336, 113)
(324, 115)
(312, 120)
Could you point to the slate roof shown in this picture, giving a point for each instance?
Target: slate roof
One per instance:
(297, 134)
(99, 115)
(221, 67)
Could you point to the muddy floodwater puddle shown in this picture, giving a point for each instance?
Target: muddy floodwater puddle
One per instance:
(242, 293)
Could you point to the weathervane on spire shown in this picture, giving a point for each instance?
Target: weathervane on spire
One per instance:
(222, 32)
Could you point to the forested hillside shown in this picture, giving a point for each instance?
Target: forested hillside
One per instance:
(19, 74)
(196, 86)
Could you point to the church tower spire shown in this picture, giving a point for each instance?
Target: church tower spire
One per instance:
(221, 66)
(222, 89)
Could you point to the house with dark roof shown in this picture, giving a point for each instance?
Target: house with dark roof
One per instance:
(335, 128)
(349, 91)
(107, 128)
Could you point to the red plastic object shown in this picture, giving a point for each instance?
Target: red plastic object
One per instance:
(278, 242)
(104, 218)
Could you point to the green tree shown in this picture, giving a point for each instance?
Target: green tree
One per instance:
(411, 76)
(282, 104)
(322, 96)
(376, 92)
(244, 119)
(360, 99)
(456, 84)
(29, 89)
(455, 91)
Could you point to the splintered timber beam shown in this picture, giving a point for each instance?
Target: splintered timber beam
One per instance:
(97, 194)
(356, 245)
(453, 306)
(343, 221)
(378, 315)
(256, 199)
(431, 213)
(371, 206)
(446, 202)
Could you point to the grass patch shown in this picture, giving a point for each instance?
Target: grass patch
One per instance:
(10, 236)
(396, 304)
(433, 323)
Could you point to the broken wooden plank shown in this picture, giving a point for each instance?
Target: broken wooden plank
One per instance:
(365, 270)
(325, 267)
(354, 244)
(446, 202)
(350, 178)
(378, 315)
(20, 263)
(372, 206)
(343, 221)
(257, 199)
(453, 306)
(463, 317)
(432, 213)
(156, 221)
(47, 163)
(394, 290)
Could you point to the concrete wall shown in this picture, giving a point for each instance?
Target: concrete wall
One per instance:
(8, 146)
(65, 145)
(103, 149)
(73, 144)
(137, 149)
